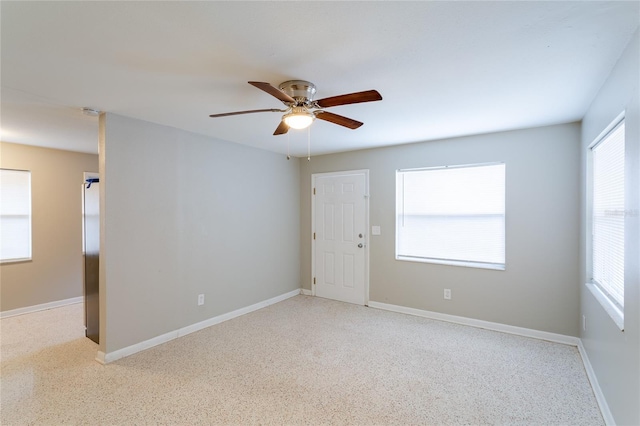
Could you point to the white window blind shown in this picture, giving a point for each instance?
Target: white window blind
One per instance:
(15, 215)
(452, 215)
(608, 215)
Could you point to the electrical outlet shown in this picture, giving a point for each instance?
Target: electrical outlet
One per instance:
(200, 299)
(447, 293)
(584, 323)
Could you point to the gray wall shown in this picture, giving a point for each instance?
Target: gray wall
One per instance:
(55, 271)
(615, 355)
(538, 289)
(184, 214)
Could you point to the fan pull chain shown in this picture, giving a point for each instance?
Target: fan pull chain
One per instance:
(288, 154)
(309, 143)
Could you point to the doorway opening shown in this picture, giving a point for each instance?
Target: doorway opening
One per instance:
(91, 253)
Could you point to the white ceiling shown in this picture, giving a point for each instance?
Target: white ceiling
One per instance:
(444, 69)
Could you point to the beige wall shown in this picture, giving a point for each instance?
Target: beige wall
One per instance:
(184, 215)
(615, 354)
(55, 271)
(538, 290)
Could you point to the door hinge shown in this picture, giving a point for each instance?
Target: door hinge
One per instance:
(314, 191)
(314, 280)
(314, 235)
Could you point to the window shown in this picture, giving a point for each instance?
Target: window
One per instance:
(452, 215)
(607, 219)
(15, 215)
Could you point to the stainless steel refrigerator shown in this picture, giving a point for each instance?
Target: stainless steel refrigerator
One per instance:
(91, 210)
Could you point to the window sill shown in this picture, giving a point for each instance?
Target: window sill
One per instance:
(9, 261)
(479, 265)
(614, 312)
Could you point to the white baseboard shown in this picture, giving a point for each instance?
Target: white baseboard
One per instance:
(238, 312)
(602, 402)
(105, 358)
(503, 328)
(306, 292)
(41, 307)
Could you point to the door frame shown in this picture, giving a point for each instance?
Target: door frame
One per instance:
(314, 177)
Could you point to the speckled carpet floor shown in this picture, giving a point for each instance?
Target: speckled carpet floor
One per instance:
(302, 361)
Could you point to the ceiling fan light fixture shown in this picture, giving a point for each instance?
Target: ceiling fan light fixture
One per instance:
(298, 118)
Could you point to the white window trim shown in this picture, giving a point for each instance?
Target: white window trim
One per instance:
(467, 264)
(450, 262)
(611, 308)
(17, 260)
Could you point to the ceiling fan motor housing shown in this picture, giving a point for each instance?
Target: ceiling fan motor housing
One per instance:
(301, 90)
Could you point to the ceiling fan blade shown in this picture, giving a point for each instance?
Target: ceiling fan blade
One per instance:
(273, 91)
(282, 129)
(337, 119)
(351, 98)
(251, 111)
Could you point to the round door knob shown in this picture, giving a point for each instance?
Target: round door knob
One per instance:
(360, 245)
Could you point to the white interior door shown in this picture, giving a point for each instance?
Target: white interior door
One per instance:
(340, 236)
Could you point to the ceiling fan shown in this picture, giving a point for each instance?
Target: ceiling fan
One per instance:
(301, 109)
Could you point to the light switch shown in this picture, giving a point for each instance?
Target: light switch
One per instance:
(375, 230)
